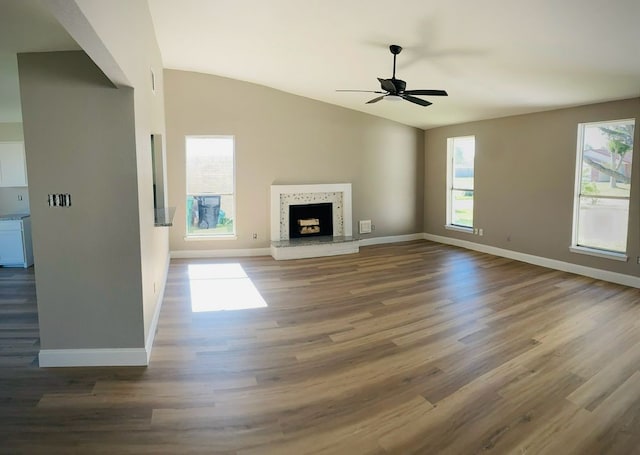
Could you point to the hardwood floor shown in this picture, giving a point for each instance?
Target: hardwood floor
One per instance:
(407, 348)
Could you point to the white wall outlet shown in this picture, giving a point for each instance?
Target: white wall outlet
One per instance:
(255, 236)
(475, 231)
(365, 226)
(481, 231)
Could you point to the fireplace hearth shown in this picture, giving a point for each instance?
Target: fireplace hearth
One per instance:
(310, 220)
(311, 235)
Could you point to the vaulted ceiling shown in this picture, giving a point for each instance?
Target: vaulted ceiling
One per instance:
(494, 57)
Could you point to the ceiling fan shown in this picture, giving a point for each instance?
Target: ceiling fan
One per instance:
(394, 89)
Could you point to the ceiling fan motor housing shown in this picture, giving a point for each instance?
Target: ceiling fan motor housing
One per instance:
(399, 84)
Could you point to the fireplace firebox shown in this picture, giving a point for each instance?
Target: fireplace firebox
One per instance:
(310, 220)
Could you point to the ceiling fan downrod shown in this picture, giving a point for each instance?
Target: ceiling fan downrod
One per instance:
(395, 50)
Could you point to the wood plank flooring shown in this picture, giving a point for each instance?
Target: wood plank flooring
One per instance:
(412, 348)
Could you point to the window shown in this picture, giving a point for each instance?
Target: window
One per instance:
(603, 184)
(460, 174)
(210, 186)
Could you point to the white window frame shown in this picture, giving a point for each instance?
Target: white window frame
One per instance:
(582, 249)
(234, 234)
(450, 169)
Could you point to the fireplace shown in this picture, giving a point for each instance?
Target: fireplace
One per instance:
(310, 220)
(328, 234)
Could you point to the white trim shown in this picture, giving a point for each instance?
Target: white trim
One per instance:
(249, 252)
(452, 227)
(344, 188)
(92, 357)
(209, 238)
(156, 315)
(450, 169)
(577, 187)
(577, 183)
(110, 357)
(390, 239)
(228, 253)
(233, 194)
(599, 253)
(449, 172)
(314, 250)
(613, 277)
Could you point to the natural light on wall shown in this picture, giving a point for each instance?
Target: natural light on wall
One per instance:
(218, 287)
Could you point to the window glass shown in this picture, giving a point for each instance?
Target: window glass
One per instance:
(210, 186)
(603, 185)
(461, 174)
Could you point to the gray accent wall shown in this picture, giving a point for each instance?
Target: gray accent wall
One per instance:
(118, 36)
(80, 136)
(287, 139)
(127, 52)
(524, 182)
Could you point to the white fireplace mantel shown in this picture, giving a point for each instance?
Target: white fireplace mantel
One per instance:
(277, 191)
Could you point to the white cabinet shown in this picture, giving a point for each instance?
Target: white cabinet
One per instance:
(15, 243)
(13, 169)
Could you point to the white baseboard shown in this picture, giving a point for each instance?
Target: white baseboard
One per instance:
(92, 357)
(613, 277)
(391, 239)
(156, 315)
(228, 253)
(110, 357)
(248, 252)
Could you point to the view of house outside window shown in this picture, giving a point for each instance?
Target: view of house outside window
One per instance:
(603, 185)
(210, 177)
(460, 181)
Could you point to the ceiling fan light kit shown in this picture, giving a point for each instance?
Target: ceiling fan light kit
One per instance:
(395, 89)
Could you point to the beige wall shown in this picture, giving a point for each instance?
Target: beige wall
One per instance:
(80, 139)
(287, 139)
(126, 33)
(525, 170)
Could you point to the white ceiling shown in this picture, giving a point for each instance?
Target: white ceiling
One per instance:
(494, 57)
(25, 26)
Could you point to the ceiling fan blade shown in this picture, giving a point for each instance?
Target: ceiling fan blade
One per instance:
(415, 100)
(363, 91)
(426, 92)
(375, 100)
(387, 85)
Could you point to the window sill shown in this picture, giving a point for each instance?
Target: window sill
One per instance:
(452, 227)
(197, 238)
(599, 253)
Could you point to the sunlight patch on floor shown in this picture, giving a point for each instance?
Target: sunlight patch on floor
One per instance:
(220, 287)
